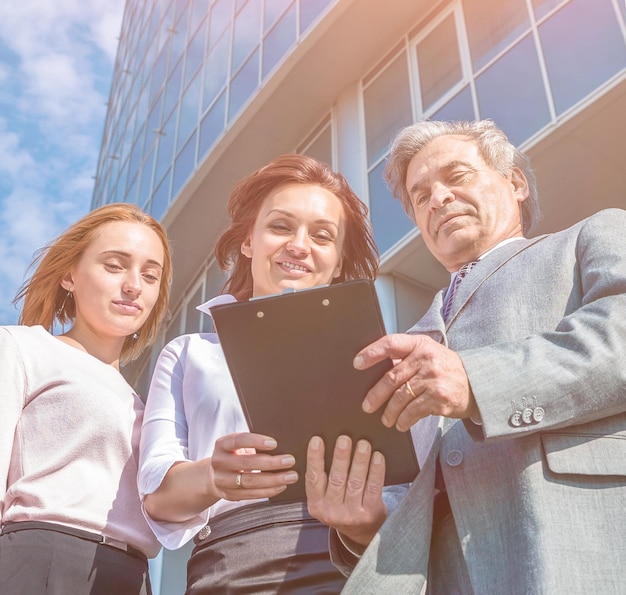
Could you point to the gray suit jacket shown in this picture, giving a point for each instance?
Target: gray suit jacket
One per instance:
(539, 508)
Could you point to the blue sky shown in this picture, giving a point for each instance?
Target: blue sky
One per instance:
(56, 63)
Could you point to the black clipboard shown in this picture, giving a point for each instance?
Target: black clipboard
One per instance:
(290, 357)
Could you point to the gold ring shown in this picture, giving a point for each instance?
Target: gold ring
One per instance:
(238, 480)
(410, 390)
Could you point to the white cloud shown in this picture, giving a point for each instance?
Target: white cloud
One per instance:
(27, 224)
(13, 160)
(57, 61)
(56, 86)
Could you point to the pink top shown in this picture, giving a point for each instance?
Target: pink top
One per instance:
(69, 439)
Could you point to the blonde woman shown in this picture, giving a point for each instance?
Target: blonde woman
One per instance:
(69, 422)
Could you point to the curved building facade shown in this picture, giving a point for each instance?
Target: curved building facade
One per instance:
(206, 91)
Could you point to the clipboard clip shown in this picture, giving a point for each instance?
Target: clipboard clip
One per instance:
(287, 290)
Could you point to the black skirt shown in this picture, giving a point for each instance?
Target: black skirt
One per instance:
(264, 548)
(42, 561)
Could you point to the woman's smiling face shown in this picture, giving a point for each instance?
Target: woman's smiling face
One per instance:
(297, 239)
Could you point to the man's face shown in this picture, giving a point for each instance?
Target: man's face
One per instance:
(462, 206)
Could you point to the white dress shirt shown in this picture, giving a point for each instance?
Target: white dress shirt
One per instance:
(192, 402)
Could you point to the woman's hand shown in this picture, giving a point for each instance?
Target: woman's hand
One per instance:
(242, 469)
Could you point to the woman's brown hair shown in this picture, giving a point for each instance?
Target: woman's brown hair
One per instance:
(45, 300)
(360, 255)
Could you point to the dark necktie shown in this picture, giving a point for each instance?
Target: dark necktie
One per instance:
(463, 271)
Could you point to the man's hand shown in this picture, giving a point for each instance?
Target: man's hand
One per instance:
(438, 384)
(349, 498)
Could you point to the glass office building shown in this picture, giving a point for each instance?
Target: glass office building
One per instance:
(206, 91)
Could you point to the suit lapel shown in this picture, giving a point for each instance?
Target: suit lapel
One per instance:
(484, 269)
(431, 323)
(396, 560)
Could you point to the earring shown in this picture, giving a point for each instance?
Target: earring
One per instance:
(68, 295)
(135, 336)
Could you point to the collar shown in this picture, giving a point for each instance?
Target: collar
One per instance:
(493, 249)
(224, 298)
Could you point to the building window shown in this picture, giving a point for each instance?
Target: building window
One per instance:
(172, 90)
(389, 221)
(221, 18)
(543, 7)
(273, 9)
(438, 61)
(147, 170)
(165, 148)
(511, 92)
(199, 10)
(243, 85)
(215, 280)
(154, 118)
(583, 47)
(189, 112)
(174, 329)
(310, 10)
(142, 383)
(387, 108)
(212, 126)
(215, 71)
(281, 37)
(188, 318)
(178, 35)
(492, 25)
(193, 316)
(195, 54)
(184, 164)
(161, 198)
(387, 105)
(319, 144)
(247, 33)
(159, 70)
(131, 193)
(460, 107)
(218, 50)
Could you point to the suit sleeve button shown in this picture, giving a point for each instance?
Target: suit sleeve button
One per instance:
(454, 458)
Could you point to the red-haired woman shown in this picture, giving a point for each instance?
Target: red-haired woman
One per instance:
(69, 422)
(295, 223)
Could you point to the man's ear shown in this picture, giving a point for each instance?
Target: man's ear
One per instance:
(67, 282)
(246, 247)
(520, 184)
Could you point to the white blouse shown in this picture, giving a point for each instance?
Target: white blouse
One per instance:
(69, 436)
(192, 402)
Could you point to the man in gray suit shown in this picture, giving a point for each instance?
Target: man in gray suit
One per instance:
(513, 384)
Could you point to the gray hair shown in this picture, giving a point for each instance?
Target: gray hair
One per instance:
(493, 146)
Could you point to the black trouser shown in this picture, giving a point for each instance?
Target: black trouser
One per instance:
(44, 561)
